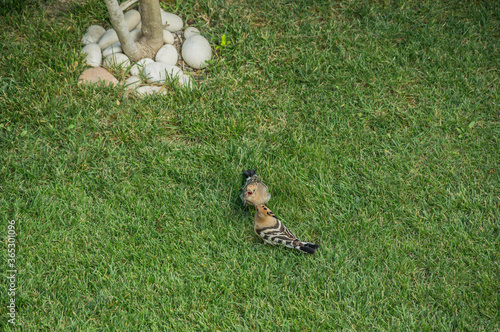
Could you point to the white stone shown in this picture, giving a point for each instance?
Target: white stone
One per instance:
(108, 38)
(132, 82)
(94, 32)
(139, 26)
(168, 37)
(116, 60)
(186, 81)
(136, 34)
(157, 72)
(150, 90)
(132, 18)
(196, 51)
(167, 54)
(190, 31)
(93, 55)
(171, 22)
(112, 49)
(136, 69)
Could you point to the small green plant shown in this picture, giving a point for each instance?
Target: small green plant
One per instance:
(223, 43)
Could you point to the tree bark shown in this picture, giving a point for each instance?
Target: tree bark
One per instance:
(152, 29)
(118, 22)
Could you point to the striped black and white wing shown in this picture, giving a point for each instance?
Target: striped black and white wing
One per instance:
(281, 235)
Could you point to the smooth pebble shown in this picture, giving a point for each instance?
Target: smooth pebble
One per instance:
(196, 51)
(168, 37)
(132, 18)
(96, 76)
(116, 60)
(93, 55)
(132, 82)
(150, 90)
(108, 38)
(186, 81)
(94, 32)
(157, 72)
(112, 49)
(136, 69)
(190, 31)
(167, 54)
(171, 22)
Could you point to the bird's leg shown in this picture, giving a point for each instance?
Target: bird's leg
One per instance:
(246, 210)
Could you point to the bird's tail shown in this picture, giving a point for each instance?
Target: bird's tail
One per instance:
(307, 247)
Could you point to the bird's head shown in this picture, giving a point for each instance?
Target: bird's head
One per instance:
(250, 193)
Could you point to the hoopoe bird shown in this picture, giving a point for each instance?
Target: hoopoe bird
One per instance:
(255, 190)
(274, 232)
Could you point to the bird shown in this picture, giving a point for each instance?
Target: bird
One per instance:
(274, 232)
(254, 192)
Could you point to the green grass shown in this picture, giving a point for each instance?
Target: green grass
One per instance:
(375, 125)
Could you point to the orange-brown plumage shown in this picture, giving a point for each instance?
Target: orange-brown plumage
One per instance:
(255, 192)
(274, 232)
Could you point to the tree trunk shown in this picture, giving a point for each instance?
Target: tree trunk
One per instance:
(152, 30)
(118, 22)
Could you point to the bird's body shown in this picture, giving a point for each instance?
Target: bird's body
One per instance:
(274, 232)
(255, 192)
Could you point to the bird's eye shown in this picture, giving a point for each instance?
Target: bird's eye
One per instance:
(249, 193)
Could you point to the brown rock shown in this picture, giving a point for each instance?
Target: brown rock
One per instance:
(97, 75)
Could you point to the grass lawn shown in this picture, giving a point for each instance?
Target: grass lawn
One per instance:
(375, 124)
